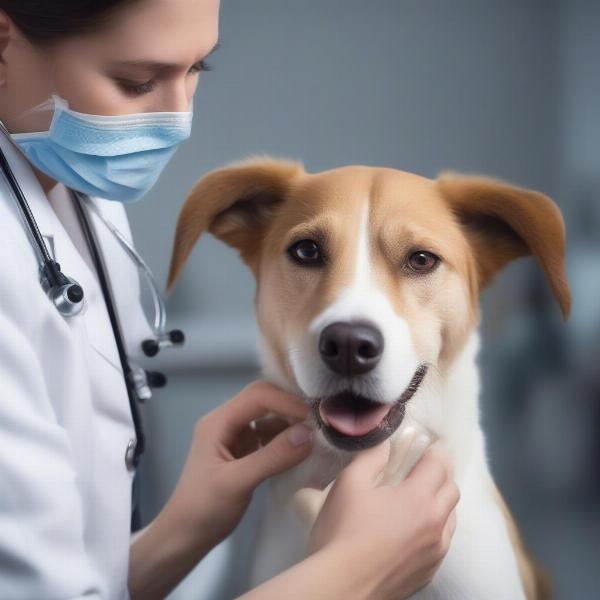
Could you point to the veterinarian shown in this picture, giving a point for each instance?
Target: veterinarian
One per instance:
(95, 96)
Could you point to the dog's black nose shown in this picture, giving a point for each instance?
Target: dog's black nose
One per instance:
(351, 348)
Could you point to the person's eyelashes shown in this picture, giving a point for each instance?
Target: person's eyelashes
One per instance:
(201, 65)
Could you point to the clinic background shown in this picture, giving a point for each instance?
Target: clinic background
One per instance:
(506, 88)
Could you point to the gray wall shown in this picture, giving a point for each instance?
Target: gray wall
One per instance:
(507, 88)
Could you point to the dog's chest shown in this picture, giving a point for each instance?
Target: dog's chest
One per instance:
(479, 564)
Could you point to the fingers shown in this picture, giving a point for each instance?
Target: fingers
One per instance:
(259, 433)
(258, 400)
(367, 466)
(448, 496)
(286, 450)
(449, 530)
(431, 471)
(268, 427)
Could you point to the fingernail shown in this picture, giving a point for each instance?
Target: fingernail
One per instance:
(299, 434)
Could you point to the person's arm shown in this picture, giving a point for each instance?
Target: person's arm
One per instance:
(161, 557)
(162, 554)
(223, 467)
(324, 575)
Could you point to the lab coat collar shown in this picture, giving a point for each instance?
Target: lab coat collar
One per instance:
(94, 314)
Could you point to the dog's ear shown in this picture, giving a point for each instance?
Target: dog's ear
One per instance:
(233, 203)
(503, 222)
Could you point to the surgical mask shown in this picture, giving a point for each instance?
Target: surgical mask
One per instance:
(113, 157)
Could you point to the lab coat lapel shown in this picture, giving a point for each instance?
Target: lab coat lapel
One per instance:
(94, 314)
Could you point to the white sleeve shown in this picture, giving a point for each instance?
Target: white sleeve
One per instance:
(42, 552)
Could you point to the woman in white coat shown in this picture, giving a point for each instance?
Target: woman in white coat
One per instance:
(65, 420)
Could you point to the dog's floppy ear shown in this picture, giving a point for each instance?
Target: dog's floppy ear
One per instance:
(233, 203)
(504, 222)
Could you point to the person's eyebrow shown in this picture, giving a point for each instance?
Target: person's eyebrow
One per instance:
(157, 66)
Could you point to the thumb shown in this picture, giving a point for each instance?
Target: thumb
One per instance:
(284, 451)
(367, 466)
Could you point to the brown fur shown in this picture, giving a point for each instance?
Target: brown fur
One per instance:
(536, 580)
(504, 222)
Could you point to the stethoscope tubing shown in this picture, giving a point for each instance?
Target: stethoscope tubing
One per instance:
(115, 324)
(160, 316)
(32, 227)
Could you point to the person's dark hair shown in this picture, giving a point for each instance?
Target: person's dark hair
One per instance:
(50, 20)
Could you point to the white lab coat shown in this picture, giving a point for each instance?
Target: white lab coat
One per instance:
(65, 421)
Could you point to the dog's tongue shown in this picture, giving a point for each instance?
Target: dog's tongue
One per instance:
(350, 419)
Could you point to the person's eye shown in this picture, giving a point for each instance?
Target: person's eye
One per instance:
(135, 88)
(200, 66)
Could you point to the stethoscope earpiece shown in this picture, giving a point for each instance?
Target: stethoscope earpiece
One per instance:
(177, 337)
(143, 381)
(156, 379)
(167, 339)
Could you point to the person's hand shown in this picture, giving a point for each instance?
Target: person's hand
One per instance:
(394, 537)
(234, 448)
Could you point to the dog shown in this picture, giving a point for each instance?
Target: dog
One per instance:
(367, 301)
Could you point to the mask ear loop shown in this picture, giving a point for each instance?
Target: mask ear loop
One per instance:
(54, 104)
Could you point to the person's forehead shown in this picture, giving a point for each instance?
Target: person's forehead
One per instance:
(162, 31)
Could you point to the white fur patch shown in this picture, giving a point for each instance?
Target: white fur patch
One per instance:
(362, 300)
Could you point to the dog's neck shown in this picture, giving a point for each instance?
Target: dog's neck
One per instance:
(446, 404)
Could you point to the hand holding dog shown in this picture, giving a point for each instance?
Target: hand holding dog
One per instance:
(229, 458)
(394, 536)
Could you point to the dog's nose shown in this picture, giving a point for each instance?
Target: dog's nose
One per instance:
(351, 348)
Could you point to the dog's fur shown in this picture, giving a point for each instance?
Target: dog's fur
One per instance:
(367, 221)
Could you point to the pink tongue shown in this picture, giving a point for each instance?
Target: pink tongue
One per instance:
(351, 422)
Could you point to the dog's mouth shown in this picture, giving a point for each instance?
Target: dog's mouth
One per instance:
(354, 422)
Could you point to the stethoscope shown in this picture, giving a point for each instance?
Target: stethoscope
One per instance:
(68, 296)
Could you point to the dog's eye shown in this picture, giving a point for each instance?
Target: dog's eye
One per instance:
(306, 252)
(422, 261)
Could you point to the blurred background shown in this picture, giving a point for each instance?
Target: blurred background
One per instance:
(506, 88)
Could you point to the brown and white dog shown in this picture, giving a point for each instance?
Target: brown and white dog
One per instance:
(367, 299)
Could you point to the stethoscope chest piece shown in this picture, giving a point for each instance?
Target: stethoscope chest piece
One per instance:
(64, 292)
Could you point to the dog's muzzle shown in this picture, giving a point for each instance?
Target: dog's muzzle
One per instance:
(353, 422)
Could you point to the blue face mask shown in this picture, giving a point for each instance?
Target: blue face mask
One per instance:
(113, 157)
